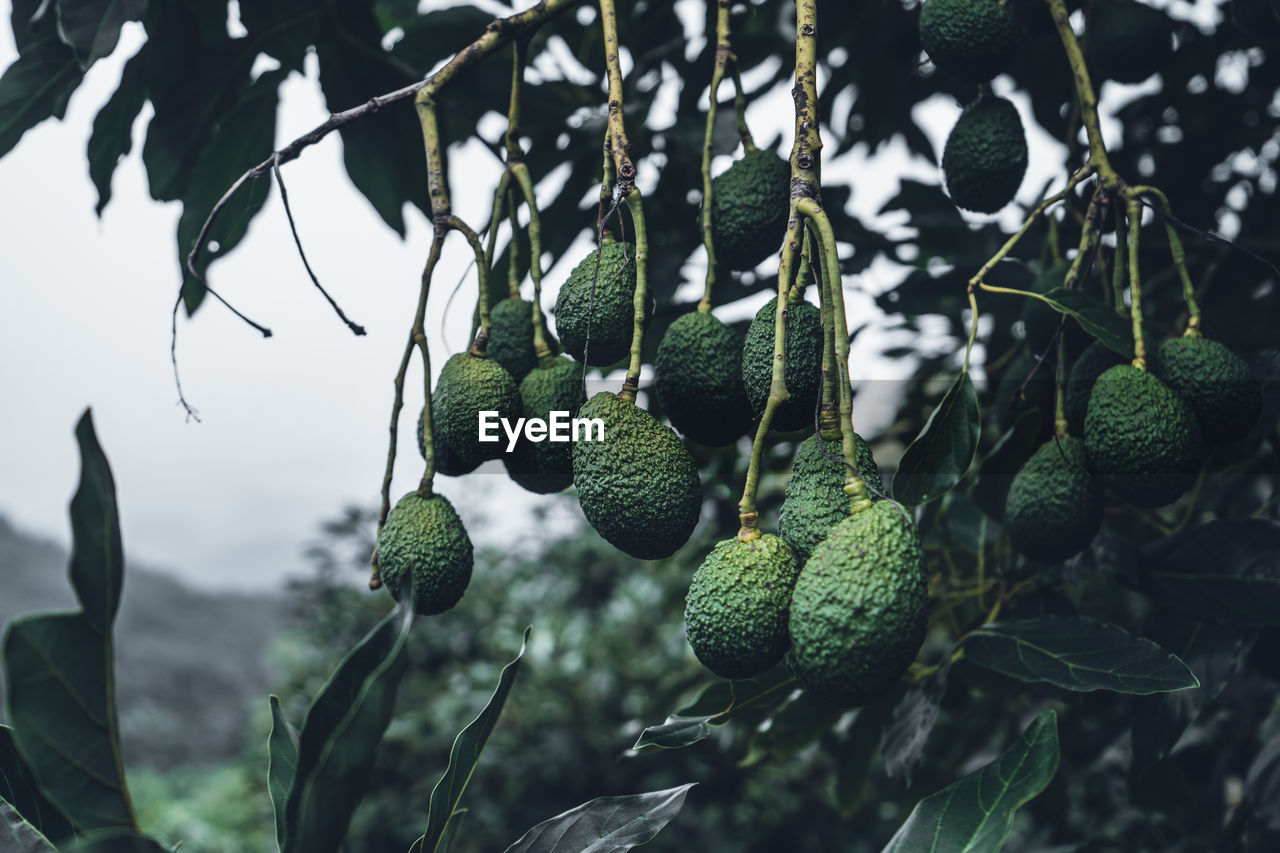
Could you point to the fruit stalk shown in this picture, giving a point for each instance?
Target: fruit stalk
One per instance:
(1118, 265)
(480, 345)
(641, 297)
(1085, 96)
(723, 55)
(1179, 256)
(1134, 211)
(540, 347)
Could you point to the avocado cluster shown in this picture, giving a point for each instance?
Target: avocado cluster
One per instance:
(1216, 383)
(972, 39)
(803, 370)
(737, 609)
(423, 547)
(544, 467)
(604, 311)
(985, 155)
(468, 385)
(1054, 505)
(639, 487)
(815, 500)
(750, 203)
(698, 379)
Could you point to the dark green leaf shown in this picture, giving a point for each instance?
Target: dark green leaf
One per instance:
(605, 824)
(116, 841)
(36, 86)
(282, 762)
(18, 788)
(27, 18)
(913, 719)
(284, 28)
(676, 732)
(92, 27)
(439, 34)
(938, 458)
(465, 755)
(19, 836)
(340, 737)
(853, 753)
(97, 556)
(1001, 465)
(716, 704)
(60, 688)
(1115, 332)
(113, 128)
(800, 721)
(975, 814)
(1078, 654)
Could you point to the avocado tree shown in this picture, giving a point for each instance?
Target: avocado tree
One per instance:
(1055, 622)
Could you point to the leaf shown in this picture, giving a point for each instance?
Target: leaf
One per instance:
(60, 686)
(112, 136)
(853, 754)
(97, 556)
(18, 788)
(715, 705)
(605, 824)
(340, 736)
(1112, 330)
(36, 86)
(282, 762)
(1001, 465)
(1077, 654)
(913, 718)
(92, 27)
(465, 754)
(19, 836)
(975, 814)
(936, 461)
(800, 721)
(116, 841)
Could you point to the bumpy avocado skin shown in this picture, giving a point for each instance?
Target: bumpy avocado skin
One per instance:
(612, 317)
(815, 500)
(698, 379)
(511, 337)
(860, 607)
(1127, 41)
(985, 156)
(1054, 506)
(736, 611)
(544, 467)
(424, 539)
(804, 363)
(1092, 363)
(1141, 437)
(1216, 383)
(469, 385)
(639, 488)
(447, 462)
(972, 39)
(750, 203)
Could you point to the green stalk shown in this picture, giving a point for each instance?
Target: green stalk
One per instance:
(1134, 211)
(639, 300)
(1179, 256)
(1118, 265)
(717, 74)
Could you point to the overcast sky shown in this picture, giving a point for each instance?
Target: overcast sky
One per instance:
(293, 427)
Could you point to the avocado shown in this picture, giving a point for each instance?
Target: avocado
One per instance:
(972, 39)
(639, 487)
(736, 611)
(1054, 506)
(609, 313)
(1092, 363)
(815, 500)
(424, 541)
(1216, 383)
(803, 374)
(546, 466)
(985, 156)
(511, 337)
(1127, 41)
(698, 379)
(860, 607)
(469, 385)
(750, 204)
(1141, 437)
(447, 462)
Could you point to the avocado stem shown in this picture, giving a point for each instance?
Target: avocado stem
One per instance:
(1085, 96)
(1120, 264)
(1178, 255)
(723, 54)
(1133, 208)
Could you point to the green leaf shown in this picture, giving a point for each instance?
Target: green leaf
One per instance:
(975, 814)
(853, 753)
(97, 555)
(92, 27)
(800, 721)
(1115, 332)
(340, 737)
(1001, 465)
(716, 704)
(605, 824)
(465, 755)
(19, 836)
(60, 686)
(26, 19)
(938, 458)
(18, 788)
(1077, 654)
(912, 720)
(36, 86)
(282, 763)
(116, 841)
(112, 136)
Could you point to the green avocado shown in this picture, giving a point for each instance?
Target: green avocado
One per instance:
(698, 379)
(1092, 363)
(736, 611)
(424, 541)
(1054, 506)
(469, 385)
(447, 462)
(639, 487)
(1127, 41)
(608, 313)
(546, 466)
(803, 374)
(973, 39)
(1217, 383)
(815, 500)
(750, 203)
(860, 607)
(1141, 437)
(985, 156)
(511, 337)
